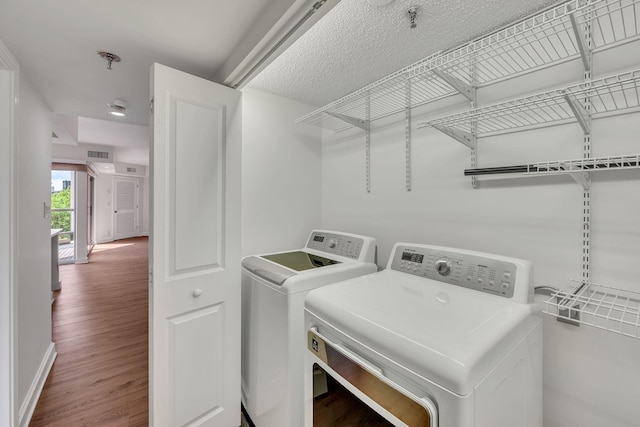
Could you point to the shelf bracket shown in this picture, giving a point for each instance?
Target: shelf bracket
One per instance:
(462, 137)
(367, 144)
(581, 114)
(362, 124)
(407, 133)
(582, 43)
(581, 178)
(464, 88)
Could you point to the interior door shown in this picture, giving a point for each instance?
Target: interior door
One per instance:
(125, 212)
(194, 251)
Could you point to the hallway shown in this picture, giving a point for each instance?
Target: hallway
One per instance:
(100, 328)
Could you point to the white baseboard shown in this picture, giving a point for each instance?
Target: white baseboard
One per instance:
(31, 400)
(84, 260)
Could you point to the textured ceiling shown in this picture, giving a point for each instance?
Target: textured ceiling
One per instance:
(357, 43)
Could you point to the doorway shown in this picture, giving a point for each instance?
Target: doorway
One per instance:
(63, 213)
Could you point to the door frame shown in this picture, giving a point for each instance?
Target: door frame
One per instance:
(9, 84)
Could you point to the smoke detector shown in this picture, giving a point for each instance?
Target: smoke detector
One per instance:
(118, 108)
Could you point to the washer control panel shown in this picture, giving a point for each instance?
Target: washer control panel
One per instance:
(481, 273)
(338, 244)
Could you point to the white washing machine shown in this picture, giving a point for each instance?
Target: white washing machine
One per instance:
(273, 333)
(441, 338)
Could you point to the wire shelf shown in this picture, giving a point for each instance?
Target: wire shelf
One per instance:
(603, 307)
(547, 38)
(608, 95)
(593, 164)
(558, 167)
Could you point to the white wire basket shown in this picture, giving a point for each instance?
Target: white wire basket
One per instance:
(603, 307)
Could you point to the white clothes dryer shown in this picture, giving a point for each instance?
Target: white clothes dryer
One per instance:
(273, 334)
(441, 338)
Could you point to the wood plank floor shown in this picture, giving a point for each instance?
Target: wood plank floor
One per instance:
(100, 330)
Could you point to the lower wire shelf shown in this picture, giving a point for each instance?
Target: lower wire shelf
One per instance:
(603, 307)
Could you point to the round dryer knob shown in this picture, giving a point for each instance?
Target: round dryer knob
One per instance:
(443, 266)
(333, 243)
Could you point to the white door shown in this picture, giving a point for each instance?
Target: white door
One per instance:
(194, 349)
(125, 211)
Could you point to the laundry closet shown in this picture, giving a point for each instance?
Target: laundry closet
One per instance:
(524, 143)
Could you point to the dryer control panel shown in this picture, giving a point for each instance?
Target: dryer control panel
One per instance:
(477, 271)
(334, 243)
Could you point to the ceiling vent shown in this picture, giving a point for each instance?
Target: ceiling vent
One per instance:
(98, 154)
(132, 170)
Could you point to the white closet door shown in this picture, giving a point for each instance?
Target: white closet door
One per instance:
(195, 252)
(125, 207)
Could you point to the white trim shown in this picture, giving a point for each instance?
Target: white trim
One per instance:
(84, 260)
(31, 400)
(8, 215)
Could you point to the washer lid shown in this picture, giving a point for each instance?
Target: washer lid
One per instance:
(449, 335)
(278, 267)
(300, 260)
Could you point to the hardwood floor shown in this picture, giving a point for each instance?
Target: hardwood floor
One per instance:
(100, 320)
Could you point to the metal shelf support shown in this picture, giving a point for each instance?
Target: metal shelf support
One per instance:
(464, 88)
(585, 109)
(407, 133)
(582, 178)
(583, 45)
(362, 124)
(581, 114)
(367, 130)
(461, 136)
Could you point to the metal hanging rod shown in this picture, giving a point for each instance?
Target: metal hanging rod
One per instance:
(557, 167)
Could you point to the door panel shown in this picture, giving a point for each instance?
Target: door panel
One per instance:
(199, 184)
(195, 338)
(194, 252)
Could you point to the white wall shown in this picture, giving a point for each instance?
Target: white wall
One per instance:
(8, 90)
(280, 174)
(590, 376)
(34, 346)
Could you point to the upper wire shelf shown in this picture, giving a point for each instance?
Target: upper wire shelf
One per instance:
(547, 38)
(608, 95)
(603, 307)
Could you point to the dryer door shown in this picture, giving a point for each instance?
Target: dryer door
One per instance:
(348, 390)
